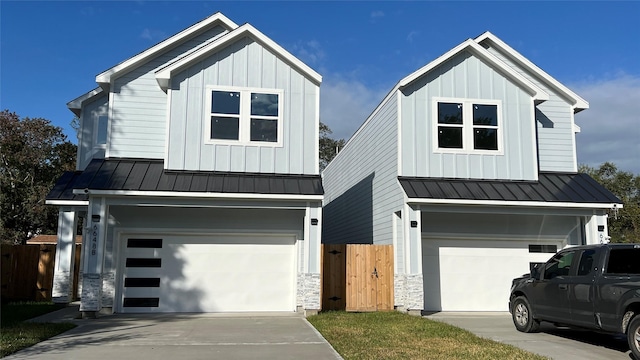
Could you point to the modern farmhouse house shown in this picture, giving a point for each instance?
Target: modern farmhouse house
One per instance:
(197, 179)
(468, 167)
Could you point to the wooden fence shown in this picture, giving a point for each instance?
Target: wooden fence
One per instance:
(27, 271)
(357, 277)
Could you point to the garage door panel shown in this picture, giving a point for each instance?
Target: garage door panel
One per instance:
(217, 274)
(473, 275)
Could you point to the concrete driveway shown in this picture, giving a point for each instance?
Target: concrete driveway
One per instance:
(553, 342)
(185, 336)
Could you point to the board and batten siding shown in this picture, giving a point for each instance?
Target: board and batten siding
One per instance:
(554, 119)
(467, 77)
(99, 106)
(138, 117)
(361, 187)
(244, 64)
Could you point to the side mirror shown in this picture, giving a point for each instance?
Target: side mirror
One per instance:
(535, 272)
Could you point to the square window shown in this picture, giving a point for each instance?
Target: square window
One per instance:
(450, 137)
(224, 128)
(264, 104)
(485, 115)
(264, 130)
(485, 139)
(225, 102)
(449, 113)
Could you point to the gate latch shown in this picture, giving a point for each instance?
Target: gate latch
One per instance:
(375, 272)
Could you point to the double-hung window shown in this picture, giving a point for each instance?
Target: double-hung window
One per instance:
(243, 115)
(467, 125)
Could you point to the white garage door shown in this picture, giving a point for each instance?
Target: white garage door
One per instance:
(476, 275)
(207, 274)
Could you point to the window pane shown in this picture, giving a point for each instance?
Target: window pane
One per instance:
(264, 130)
(101, 131)
(225, 128)
(225, 102)
(586, 262)
(485, 115)
(558, 266)
(264, 104)
(450, 137)
(449, 113)
(485, 139)
(623, 261)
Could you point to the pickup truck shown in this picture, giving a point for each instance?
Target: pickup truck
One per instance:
(594, 287)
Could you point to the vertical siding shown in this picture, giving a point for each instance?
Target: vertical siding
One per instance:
(554, 121)
(88, 118)
(245, 63)
(361, 189)
(467, 77)
(138, 117)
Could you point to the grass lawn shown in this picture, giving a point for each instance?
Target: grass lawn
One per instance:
(15, 334)
(393, 335)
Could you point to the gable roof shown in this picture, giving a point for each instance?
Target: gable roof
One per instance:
(75, 105)
(471, 46)
(163, 74)
(579, 103)
(104, 78)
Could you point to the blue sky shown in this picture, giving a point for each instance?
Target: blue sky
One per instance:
(51, 51)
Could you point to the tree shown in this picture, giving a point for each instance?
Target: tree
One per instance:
(624, 224)
(33, 154)
(329, 147)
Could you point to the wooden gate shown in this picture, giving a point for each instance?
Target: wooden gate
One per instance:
(357, 277)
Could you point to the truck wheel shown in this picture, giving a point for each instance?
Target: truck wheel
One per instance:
(522, 316)
(633, 336)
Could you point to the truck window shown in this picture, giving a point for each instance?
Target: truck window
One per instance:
(559, 265)
(623, 261)
(587, 259)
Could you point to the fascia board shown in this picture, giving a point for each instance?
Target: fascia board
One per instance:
(104, 78)
(67, 202)
(75, 105)
(473, 47)
(535, 204)
(163, 75)
(579, 103)
(174, 194)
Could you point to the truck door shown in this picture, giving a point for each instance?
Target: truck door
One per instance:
(551, 293)
(582, 289)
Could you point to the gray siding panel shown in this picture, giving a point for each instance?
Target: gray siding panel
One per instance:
(554, 120)
(138, 117)
(361, 187)
(245, 64)
(467, 77)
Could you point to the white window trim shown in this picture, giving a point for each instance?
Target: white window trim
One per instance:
(244, 132)
(467, 126)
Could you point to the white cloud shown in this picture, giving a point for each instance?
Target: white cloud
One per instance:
(376, 14)
(310, 52)
(346, 103)
(152, 35)
(610, 128)
(412, 35)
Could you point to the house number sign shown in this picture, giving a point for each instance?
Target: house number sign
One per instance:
(94, 239)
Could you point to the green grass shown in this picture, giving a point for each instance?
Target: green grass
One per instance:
(16, 334)
(393, 335)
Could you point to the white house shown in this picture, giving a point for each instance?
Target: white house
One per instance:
(197, 178)
(468, 167)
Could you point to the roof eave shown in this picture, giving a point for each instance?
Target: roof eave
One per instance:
(470, 45)
(579, 103)
(163, 75)
(75, 105)
(534, 204)
(104, 79)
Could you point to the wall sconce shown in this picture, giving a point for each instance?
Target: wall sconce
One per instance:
(414, 224)
(314, 221)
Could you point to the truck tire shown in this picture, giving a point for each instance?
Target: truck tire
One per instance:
(523, 317)
(633, 336)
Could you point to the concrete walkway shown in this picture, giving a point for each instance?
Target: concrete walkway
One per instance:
(181, 336)
(552, 342)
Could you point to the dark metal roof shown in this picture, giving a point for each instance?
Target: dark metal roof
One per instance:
(63, 188)
(550, 187)
(150, 175)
